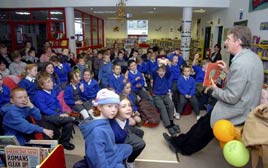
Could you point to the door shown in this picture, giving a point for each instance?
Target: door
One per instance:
(207, 41)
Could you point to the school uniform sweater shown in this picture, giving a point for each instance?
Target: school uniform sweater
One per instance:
(186, 86)
(132, 79)
(56, 83)
(175, 72)
(4, 95)
(48, 103)
(117, 83)
(199, 73)
(162, 85)
(15, 121)
(63, 72)
(29, 86)
(151, 67)
(105, 72)
(90, 89)
(119, 133)
(100, 147)
(69, 96)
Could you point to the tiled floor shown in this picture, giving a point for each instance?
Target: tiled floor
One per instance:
(157, 151)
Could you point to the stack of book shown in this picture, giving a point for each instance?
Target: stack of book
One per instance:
(29, 156)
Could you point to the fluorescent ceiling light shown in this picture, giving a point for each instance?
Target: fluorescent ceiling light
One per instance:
(100, 12)
(199, 11)
(55, 13)
(23, 13)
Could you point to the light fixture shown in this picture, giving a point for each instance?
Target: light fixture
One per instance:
(121, 10)
(199, 11)
(23, 13)
(55, 13)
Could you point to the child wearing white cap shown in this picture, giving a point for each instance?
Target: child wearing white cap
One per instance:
(101, 149)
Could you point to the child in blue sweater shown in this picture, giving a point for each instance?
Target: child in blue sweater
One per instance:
(15, 117)
(46, 100)
(186, 87)
(135, 117)
(28, 82)
(4, 92)
(161, 95)
(73, 94)
(117, 81)
(105, 71)
(137, 81)
(91, 87)
(125, 133)
(100, 147)
(49, 68)
(61, 69)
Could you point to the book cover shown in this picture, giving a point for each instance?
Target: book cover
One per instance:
(22, 157)
(213, 71)
(8, 140)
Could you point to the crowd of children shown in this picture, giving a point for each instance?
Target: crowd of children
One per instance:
(152, 76)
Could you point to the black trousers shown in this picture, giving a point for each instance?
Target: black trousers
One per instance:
(196, 138)
(57, 123)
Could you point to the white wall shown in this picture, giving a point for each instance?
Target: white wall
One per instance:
(157, 29)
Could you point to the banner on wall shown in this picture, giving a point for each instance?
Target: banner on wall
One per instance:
(257, 5)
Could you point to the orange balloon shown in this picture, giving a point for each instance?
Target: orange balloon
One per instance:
(224, 130)
(222, 144)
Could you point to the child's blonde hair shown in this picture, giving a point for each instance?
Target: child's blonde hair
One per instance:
(16, 90)
(27, 68)
(41, 78)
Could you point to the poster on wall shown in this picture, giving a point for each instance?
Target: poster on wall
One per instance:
(241, 23)
(257, 5)
(264, 26)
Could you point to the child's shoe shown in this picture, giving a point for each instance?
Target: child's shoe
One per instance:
(172, 131)
(177, 128)
(130, 165)
(198, 117)
(177, 116)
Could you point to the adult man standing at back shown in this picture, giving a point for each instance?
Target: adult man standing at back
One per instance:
(241, 94)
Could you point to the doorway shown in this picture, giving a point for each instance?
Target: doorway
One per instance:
(207, 42)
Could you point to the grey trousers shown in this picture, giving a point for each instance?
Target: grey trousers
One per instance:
(193, 101)
(166, 107)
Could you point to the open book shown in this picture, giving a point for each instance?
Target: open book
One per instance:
(213, 72)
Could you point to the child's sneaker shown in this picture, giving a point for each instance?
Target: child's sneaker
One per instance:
(177, 128)
(130, 165)
(172, 131)
(177, 116)
(198, 117)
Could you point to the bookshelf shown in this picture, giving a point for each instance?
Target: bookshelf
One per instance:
(262, 51)
(110, 42)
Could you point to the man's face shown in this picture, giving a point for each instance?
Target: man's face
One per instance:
(231, 44)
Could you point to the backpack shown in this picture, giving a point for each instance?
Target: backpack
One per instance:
(255, 135)
(149, 114)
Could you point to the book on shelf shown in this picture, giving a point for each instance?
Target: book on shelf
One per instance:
(8, 140)
(213, 72)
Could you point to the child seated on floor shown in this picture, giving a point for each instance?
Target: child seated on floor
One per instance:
(28, 82)
(100, 147)
(15, 117)
(162, 83)
(73, 94)
(46, 100)
(117, 81)
(135, 118)
(186, 87)
(105, 71)
(17, 66)
(126, 134)
(3, 68)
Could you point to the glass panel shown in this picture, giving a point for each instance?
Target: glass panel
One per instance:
(57, 30)
(78, 28)
(100, 31)
(56, 15)
(3, 15)
(87, 30)
(94, 31)
(20, 15)
(40, 15)
(5, 35)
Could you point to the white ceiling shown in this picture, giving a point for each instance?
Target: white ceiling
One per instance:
(146, 12)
